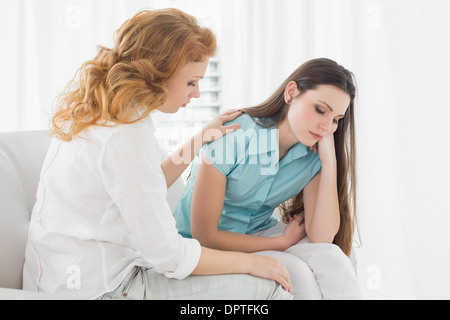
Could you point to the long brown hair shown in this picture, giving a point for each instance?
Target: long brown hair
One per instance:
(274, 110)
(150, 48)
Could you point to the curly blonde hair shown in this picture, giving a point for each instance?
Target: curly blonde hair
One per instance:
(150, 48)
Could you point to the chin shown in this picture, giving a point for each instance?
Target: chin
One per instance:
(307, 142)
(169, 111)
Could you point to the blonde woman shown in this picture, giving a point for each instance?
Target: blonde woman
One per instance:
(295, 150)
(101, 227)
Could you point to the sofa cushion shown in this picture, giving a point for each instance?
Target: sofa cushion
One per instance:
(21, 158)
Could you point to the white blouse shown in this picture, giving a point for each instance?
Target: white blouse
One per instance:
(101, 210)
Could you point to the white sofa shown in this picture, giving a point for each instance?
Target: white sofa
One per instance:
(21, 158)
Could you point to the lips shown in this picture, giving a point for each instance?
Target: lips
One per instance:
(315, 136)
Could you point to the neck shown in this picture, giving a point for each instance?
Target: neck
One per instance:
(286, 138)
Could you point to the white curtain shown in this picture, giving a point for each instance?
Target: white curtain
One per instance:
(398, 50)
(43, 44)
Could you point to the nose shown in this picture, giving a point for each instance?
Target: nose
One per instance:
(196, 92)
(326, 126)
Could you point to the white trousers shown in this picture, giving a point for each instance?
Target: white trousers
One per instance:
(147, 284)
(317, 270)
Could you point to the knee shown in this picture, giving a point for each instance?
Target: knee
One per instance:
(325, 253)
(304, 283)
(333, 252)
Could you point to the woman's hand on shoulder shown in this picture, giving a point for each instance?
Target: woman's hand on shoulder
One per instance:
(215, 129)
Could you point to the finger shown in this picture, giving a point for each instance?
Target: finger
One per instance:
(233, 110)
(285, 284)
(284, 277)
(232, 127)
(285, 281)
(227, 112)
(231, 115)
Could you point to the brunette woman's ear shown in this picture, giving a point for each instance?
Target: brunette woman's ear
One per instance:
(290, 92)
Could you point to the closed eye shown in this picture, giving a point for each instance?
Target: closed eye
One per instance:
(319, 111)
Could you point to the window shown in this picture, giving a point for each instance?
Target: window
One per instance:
(174, 129)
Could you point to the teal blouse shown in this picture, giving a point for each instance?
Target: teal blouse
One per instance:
(257, 182)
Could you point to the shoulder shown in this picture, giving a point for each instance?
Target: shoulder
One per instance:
(136, 142)
(245, 120)
(134, 133)
(229, 149)
(250, 129)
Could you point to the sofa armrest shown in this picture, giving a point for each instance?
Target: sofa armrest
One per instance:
(16, 294)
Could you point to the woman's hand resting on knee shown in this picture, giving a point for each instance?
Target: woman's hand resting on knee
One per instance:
(272, 269)
(227, 262)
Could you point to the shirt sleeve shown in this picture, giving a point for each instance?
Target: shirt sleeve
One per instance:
(227, 152)
(130, 166)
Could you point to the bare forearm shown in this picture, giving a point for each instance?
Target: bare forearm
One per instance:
(324, 223)
(175, 165)
(231, 241)
(214, 262)
(221, 262)
(178, 161)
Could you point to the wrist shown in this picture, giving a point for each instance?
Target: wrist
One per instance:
(280, 243)
(329, 165)
(329, 160)
(197, 139)
(244, 262)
